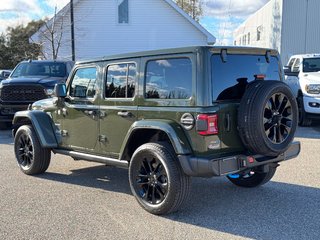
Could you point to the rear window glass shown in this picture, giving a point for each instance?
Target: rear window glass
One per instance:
(51, 69)
(169, 78)
(230, 78)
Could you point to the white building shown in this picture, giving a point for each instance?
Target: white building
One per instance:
(290, 26)
(105, 27)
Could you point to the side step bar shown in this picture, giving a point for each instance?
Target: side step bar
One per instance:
(93, 158)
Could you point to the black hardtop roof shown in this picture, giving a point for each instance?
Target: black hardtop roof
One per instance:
(214, 49)
(45, 61)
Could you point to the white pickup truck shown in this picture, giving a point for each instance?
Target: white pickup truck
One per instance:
(302, 74)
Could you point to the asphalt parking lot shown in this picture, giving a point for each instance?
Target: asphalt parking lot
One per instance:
(81, 200)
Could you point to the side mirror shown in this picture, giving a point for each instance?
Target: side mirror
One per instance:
(287, 70)
(60, 90)
(6, 74)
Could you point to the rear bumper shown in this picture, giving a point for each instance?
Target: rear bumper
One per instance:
(202, 167)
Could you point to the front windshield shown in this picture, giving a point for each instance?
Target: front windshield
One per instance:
(311, 65)
(50, 69)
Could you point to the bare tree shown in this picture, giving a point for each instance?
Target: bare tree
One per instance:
(53, 34)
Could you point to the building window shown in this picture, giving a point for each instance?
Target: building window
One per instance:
(259, 33)
(248, 38)
(245, 40)
(123, 11)
(235, 43)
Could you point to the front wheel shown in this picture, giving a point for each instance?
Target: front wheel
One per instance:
(32, 158)
(156, 178)
(252, 178)
(304, 121)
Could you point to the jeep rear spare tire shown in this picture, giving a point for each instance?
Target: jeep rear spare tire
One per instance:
(267, 118)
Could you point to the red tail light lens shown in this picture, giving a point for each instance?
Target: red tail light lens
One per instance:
(207, 124)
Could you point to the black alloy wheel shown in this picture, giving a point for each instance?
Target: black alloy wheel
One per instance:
(25, 151)
(152, 180)
(267, 118)
(278, 118)
(156, 178)
(31, 157)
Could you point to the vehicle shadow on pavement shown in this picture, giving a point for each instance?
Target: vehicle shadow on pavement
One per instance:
(273, 211)
(6, 137)
(101, 177)
(309, 132)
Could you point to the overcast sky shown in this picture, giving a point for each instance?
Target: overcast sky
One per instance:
(220, 17)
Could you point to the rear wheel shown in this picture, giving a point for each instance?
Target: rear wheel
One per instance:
(304, 121)
(32, 158)
(157, 180)
(252, 178)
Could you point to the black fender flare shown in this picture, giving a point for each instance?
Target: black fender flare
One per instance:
(42, 124)
(172, 129)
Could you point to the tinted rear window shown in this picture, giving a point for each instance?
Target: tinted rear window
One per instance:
(230, 78)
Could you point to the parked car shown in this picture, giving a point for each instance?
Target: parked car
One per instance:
(29, 81)
(167, 115)
(4, 74)
(303, 76)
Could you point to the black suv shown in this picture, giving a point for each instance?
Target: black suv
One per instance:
(167, 115)
(30, 81)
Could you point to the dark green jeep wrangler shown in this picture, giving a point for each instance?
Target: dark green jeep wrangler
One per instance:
(167, 115)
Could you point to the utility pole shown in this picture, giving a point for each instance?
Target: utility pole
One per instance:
(72, 31)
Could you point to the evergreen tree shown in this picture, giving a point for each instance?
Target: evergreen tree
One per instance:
(15, 45)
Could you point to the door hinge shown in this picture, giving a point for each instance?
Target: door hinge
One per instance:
(64, 133)
(102, 138)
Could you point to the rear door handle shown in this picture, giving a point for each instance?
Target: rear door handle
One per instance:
(124, 114)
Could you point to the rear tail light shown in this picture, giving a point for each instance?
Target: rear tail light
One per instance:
(260, 76)
(207, 124)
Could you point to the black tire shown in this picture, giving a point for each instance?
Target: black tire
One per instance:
(303, 121)
(32, 158)
(267, 118)
(157, 180)
(253, 178)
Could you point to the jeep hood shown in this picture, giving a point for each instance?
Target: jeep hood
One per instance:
(43, 80)
(44, 104)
